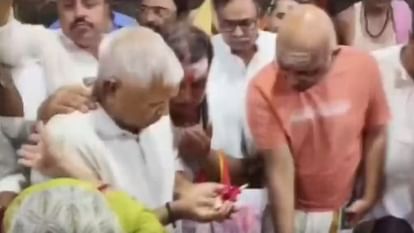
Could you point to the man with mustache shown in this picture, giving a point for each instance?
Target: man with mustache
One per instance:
(66, 58)
(118, 20)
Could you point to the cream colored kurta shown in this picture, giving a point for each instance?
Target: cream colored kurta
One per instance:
(398, 195)
(142, 165)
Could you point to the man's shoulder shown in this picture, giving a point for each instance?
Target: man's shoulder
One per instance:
(70, 124)
(355, 59)
(265, 78)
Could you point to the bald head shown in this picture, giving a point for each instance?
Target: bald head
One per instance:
(305, 45)
(306, 33)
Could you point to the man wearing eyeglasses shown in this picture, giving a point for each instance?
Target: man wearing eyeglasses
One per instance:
(241, 49)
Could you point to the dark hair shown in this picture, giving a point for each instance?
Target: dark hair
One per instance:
(189, 43)
(184, 7)
(261, 5)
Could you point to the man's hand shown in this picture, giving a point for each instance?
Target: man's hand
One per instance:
(203, 203)
(357, 210)
(39, 155)
(5, 9)
(67, 100)
(194, 144)
(51, 159)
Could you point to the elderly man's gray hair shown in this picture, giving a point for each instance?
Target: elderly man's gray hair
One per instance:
(140, 53)
(65, 210)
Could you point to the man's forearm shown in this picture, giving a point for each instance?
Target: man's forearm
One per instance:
(374, 148)
(5, 10)
(280, 178)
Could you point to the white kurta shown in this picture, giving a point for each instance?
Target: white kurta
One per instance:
(227, 90)
(399, 88)
(62, 61)
(43, 61)
(29, 80)
(143, 165)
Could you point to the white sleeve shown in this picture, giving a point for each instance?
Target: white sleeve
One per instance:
(12, 183)
(76, 140)
(11, 177)
(20, 41)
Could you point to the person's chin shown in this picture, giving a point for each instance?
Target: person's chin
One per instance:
(84, 40)
(241, 44)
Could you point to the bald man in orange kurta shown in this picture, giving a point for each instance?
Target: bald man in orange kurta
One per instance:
(317, 114)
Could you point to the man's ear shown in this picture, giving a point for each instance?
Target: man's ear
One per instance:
(111, 85)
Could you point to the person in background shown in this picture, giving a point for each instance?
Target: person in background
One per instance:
(375, 24)
(316, 120)
(241, 49)
(118, 21)
(189, 110)
(280, 8)
(133, 94)
(11, 107)
(397, 72)
(156, 14)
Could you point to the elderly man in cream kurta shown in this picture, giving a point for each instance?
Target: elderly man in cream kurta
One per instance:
(118, 143)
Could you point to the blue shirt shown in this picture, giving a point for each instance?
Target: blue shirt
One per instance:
(120, 20)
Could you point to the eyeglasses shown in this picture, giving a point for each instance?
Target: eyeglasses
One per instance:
(231, 25)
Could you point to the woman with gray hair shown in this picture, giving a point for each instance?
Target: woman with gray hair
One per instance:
(68, 206)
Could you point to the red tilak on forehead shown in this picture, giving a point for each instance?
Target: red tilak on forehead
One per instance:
(189, 77)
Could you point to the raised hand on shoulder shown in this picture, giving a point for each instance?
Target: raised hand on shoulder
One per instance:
(67, 100)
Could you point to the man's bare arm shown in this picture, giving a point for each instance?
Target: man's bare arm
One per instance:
(374, 152)
(5, 10)
(373, 173)
(345, 25)
(279, 169)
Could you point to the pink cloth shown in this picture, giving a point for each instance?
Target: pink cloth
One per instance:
(403, 20)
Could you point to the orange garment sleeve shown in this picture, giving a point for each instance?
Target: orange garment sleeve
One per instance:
(264, 124)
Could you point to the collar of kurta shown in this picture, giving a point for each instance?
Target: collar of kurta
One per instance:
(107, 127)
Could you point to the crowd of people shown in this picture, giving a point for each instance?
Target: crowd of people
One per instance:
(112, 123)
